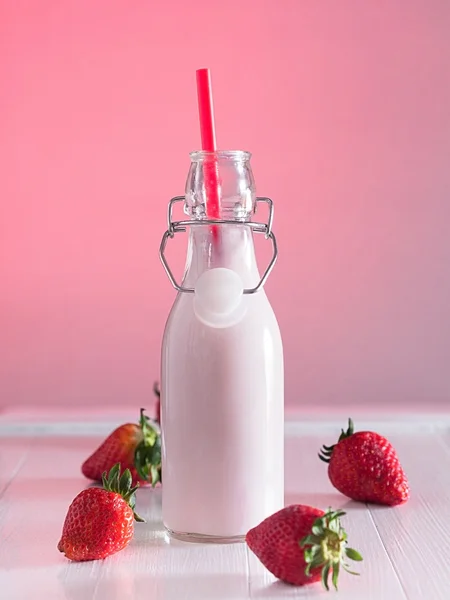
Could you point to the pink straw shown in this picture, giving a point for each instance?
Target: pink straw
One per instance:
(207, 130)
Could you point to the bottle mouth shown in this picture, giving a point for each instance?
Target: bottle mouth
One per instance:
(231, 155)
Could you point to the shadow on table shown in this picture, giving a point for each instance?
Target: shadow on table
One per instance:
(278, 589)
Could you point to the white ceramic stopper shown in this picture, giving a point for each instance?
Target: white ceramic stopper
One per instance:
(219, 300)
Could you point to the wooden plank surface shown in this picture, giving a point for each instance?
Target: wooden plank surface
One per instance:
(405, 549)
(13, 453)
(417, 537)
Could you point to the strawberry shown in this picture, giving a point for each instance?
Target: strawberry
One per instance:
(100, 521)
(364, 466)
(157, 392)
(301, 545)
(136, 447)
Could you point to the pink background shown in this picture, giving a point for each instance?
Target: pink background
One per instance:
(346, 108)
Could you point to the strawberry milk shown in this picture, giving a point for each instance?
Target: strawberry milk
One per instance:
(222, 376)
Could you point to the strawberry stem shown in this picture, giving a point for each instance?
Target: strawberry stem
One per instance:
(326, 548)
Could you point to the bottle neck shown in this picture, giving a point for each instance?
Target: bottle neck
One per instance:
(228, 246)
(227, 175)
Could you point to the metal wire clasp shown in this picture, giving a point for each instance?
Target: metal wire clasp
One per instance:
(174, 227)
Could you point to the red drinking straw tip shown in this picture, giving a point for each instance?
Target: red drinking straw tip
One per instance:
(208, 135)
(206, 110)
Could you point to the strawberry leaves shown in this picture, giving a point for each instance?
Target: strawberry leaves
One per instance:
(326, 548)
(327, 451)
(121, 484)
(147, 455)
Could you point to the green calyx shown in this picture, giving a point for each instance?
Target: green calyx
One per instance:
(147, 456)
(327, 451)
(121, 484)
(326, 548)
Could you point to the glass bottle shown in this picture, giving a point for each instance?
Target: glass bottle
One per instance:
(222, 380)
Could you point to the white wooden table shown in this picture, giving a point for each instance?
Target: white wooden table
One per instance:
(406, 549)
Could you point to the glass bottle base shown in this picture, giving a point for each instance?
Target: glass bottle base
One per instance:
(200, 538)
